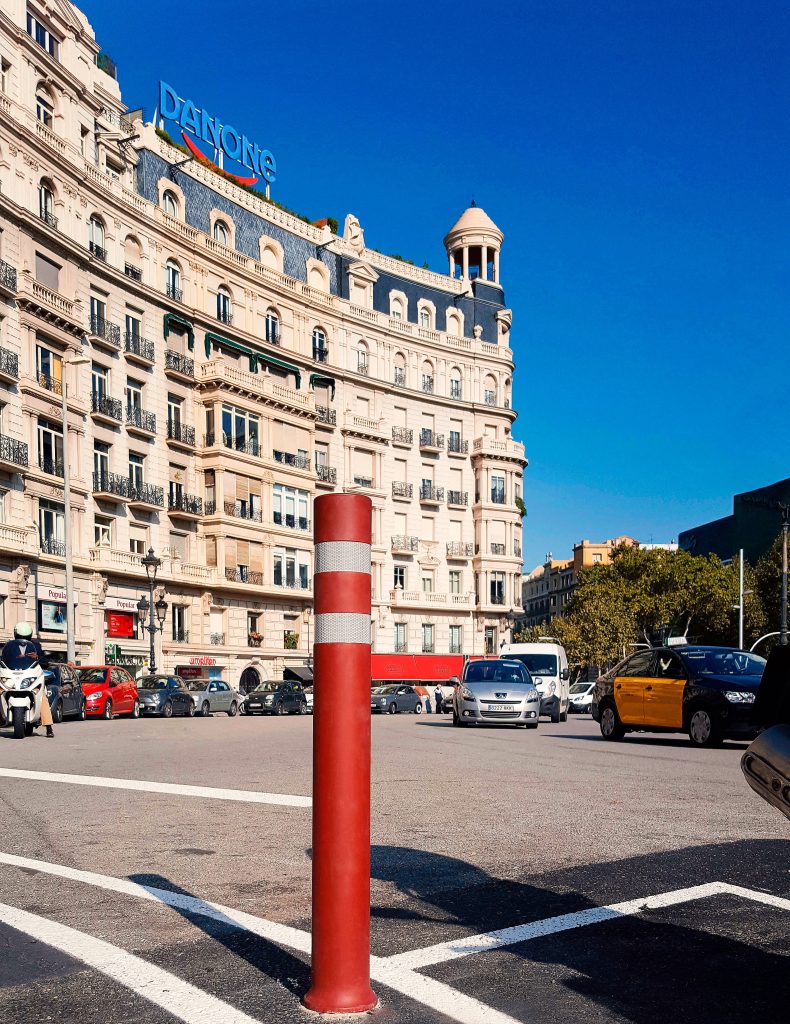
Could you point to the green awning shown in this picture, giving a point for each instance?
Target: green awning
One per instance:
(179, 321)
(321, 378)
(262, 357)
(218, 339)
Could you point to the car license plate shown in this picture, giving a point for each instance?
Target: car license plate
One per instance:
(256, 705)
(501, 707)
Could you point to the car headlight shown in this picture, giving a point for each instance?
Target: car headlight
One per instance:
(466, 693)
(531, 696)
(739, 696)
(93, 696)
(268, 700)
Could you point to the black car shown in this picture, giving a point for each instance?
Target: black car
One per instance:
(165, 695)
(708, 692)
(64, 692)
(276, 698)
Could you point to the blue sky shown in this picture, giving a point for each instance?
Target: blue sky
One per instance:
(636, 156)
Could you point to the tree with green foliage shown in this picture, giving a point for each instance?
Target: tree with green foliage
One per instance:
(768, 584)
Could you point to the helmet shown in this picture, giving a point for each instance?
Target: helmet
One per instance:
(23, 631)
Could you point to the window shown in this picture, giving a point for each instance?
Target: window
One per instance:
(42, 35)
(252, 624)
(96, 238)
(133, 326)
(497, 489)
(98, 314)
(50, 448)
(454, 441)
(497, 582)
(396, 308)
(133, 395)
(221, 232)
(138, 540)
(240, 430)
(3, 504)
(49, 369)
(170, 203)
(291, 569)
(102, 531)
(490, 639)
(427, 383)
(427, 638)
(224, 306)
(47, 272)
(320, 351)
(456, 639)
(52, 527)
(99, 381)
(272, 327)
(45, 112)
(175, 406)
(362, 361)
(290, 507)
(455, 387)
(400, 637)
(399, 576)
(179, 623)
(46, 203)
(101, 464)
(173, 280)
(425, 318)
(5, 69)
(597, 557)
(455, 581)
(136, 470)
(427, 584)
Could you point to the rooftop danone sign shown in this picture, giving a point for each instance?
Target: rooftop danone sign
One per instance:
(195, 122)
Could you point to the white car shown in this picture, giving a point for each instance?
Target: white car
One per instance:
(308, 696)
(581, 696)
(547, 663)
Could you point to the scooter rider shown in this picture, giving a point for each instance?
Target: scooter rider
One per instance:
(22, 652)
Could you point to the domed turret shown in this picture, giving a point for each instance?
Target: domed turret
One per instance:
(473, 245)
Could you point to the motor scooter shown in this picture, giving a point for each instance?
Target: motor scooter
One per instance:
(21, 697)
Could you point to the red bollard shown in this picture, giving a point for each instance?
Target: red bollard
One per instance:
(341, 757)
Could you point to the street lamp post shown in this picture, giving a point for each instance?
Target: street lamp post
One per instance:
(306, 621)
(785, 510)
(151, 611)
(71, 648)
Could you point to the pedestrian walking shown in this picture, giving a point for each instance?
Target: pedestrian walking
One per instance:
(427, 703)
(438, 696)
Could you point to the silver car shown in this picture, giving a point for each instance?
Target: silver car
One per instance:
(214, 695)
(496, 690)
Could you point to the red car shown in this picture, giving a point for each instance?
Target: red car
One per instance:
(109, 691)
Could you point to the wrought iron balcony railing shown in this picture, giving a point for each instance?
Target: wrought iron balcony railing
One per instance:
(403, 434)
(241, 574)
(327, 474)
(180, 636)
(430, 493)
(401, 489)
(111, 483)
(458, 497)
(430, 439)
(401, 647)
(188, 503)
(140, 418)
(7, 276)
(399, 378)
(13, 451)
(427, 385)
(249, 446)
(180, 432)
(49, 218)
(401, 542)
(326, 415)
(497, 597)
(49, 465)
(146, 494)
(458, 549)
(179, 363)
(135, 273)
(237, 509)
(497, 549)
(98, 251)
(225, 316)
(9, 363)
(456, 444)
(52, 384)
(321, 355)
(216, 639)
(137, 346)
(174, 292)
(103, 405)
(52, 546)
(289, 459)
(101, 328)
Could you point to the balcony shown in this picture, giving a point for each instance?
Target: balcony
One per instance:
(146, 495)
(140, 421)
(9, 366)
(458, 549)
(496, 597)
(430, 495)
(180, 435)
(54, 467)
(132, 272)
(401, 544)
(180, 636)
(291, 521)
(494, 448)
(49, 218)
(51, 546)
(236, 509)
(364, 481)
(216, 639)
(241, 574)
(111, 487)
(430, 441)
(497, 549)
(326, 416)
(364, 426)
(428, 599)
(458, 498)
(178, 365)
(105, 409)
(172, 291)
(8, 284)
(321, 355)
(489, 398)
(456, 446)
(402, 436)
(224, 316)
(184, 506)
(104, 333)
(139, 350)
(326, 474)
(363, 367)
(427, 385)
(289, 459)
(291, 584)
(221, 373)
(53, 384)
(402, 490)
(401, 647)
(249, 446)
(97, 251)
(13, 454)
(399, 379)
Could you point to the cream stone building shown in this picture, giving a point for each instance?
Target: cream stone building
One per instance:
(222, 363)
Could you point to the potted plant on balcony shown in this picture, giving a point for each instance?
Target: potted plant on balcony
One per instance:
(255, 639)
(290, 640)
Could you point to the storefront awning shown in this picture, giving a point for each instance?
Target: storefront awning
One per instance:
(321, 378)
(299, 674)
(180, 321)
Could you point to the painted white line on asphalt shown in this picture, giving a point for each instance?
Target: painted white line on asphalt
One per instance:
(177, 997)
(471, 944)
(245, 796)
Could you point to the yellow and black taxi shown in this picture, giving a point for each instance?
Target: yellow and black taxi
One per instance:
(708, 692)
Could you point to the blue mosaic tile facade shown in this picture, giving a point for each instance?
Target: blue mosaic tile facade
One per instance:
(478, 309)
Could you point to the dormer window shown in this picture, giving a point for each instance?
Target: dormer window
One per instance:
(220, 232)
(170, 204)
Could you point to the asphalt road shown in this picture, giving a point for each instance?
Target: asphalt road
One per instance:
(473, 830)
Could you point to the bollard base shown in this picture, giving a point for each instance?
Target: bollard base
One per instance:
(325, 1001)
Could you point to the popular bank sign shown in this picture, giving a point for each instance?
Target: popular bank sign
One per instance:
(197, 123)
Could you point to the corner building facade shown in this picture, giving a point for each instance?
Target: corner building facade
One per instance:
(221, 363)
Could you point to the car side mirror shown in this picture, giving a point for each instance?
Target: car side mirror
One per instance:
(564, 674)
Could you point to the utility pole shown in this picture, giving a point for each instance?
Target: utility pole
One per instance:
(785, 510)
(740, 600)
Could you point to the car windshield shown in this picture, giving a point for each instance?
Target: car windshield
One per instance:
(539, 664)
(92, 675)
(265, 688)
(153, 683)
(197, 685)
(580, 688)
(383, 689)
(496, 672)
(722, 661)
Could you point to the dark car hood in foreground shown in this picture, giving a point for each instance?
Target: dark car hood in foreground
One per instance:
(750, 683)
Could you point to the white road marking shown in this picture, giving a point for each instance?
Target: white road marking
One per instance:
(471, 944)
(177, 997)
(245, 796)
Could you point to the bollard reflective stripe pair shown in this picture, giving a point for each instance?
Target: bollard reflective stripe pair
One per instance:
(341, 757)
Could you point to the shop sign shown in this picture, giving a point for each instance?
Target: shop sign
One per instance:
(121, 624)
(120, 604)
(188, 671)
(57, 594)
(202, 659)
(195, 122)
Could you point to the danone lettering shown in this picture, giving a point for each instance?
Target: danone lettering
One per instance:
(223, 137)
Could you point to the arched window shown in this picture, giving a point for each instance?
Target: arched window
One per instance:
(96, 238)
(454, 323)
(396, 308)
(425, 319)
(224, 306)
(170, 203)
(173, 280)
(221, 232)
(508, 384)
(427, 377)
(456, 387)
(320, 348)
(46, 203)
(399, 378)
(133, 258)
(45, 108)
(272, 327)
(489, 390)
(363, 361)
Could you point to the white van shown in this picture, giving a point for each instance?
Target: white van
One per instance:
(548, 665)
